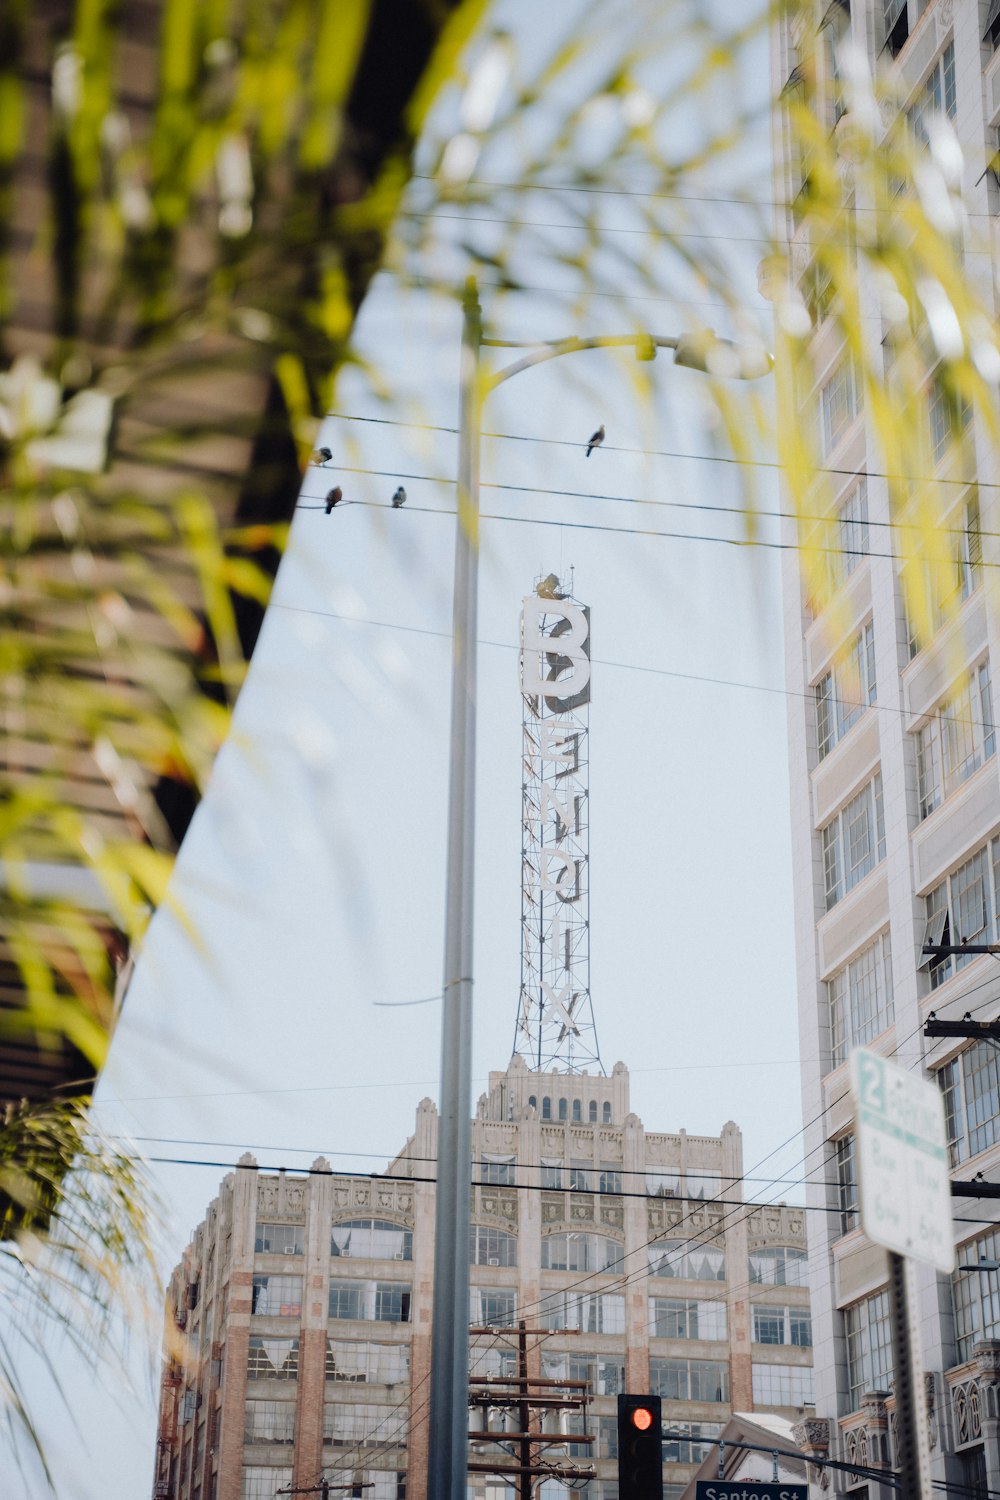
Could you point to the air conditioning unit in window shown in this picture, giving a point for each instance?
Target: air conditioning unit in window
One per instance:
(399, 1255)
(494, 1260)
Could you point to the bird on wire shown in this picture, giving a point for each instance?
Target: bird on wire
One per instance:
(399, 498)
(334, 498)
(596, 439)
(321, 456)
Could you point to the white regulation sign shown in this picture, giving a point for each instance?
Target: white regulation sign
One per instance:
(904, 1189)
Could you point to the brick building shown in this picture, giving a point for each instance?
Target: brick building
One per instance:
(298, 1322)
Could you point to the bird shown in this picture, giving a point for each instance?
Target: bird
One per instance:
(399, 498)
(334, 498)
(549, 588)
(321, 456)
(596, 440)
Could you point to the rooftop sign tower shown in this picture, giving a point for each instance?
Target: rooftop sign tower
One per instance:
(555, 1026)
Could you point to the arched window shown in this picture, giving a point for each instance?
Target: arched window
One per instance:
(532, 1102)
(592, 1111)
(577, 1112)
(546, 1108)
(562, 1109)
(607, 1112)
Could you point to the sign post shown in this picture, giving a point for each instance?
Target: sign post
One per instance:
(904, 1196)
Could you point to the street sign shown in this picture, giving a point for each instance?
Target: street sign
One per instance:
(748, 1489)
(902, 1152)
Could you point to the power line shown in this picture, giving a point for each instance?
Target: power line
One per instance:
(707, 458)
(806, 694)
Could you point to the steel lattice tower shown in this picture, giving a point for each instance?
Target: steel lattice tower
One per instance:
(555, 1026)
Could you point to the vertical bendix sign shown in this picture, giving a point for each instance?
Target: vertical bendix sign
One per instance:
(904, 1191)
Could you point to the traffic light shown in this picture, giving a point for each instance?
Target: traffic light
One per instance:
(640, 1448)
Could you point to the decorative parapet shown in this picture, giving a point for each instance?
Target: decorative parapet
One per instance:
(369, 1196)
(496, 1203)
(974, 1393)
(766, 1226)
(281, 1195)
(665, 1214)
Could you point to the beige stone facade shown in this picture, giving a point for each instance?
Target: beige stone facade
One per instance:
(299, 1320)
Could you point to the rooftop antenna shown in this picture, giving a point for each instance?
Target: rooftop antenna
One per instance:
(555, 1024)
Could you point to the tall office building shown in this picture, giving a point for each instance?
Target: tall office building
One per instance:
(298, 1330)
(894, 791)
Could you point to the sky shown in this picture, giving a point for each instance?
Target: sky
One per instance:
(274, 1013)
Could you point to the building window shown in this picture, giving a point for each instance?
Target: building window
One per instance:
(972, 1472)
(693, 1450)
(563, 1109)
(976, 1295)
(269, 1422)
(371, 1239)
(839, 404)
(370, 1301)
(497, 1171)
(686, 1318)
(860, 999)
(592, 1112)
(853, 842)
(962, 909)
(577, 1111)
(546, 1108)
(276, 1296)
(958, 738)
(939, 86)
(273, 1359)
(850, 539)
(897, 25)
(970, 1083)
(689, 1379)
(532, 1102)
(782, 1385)
(580, 1176)
(606, 1112)
(663, 1184)
(363, 1362)
(869, 1348)
(491, 1307)
(552, 1171)
(847, 1183)
(702, 1185)
(782, 1325)
(260, 1483)
(948, 416)
(684, 1261)
(779, 1265)
(363, 1425)
(280, 1239)
(843, 694)
(932, 592)
(610, 1179)
(491, 1247)
(601, 1312)
(580, 1252)
(605, 1374)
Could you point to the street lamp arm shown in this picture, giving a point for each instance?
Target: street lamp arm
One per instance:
(704, 351)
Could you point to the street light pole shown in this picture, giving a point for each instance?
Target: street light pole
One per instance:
(447, 1467)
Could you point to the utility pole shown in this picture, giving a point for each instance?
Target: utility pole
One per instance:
(527, 1395)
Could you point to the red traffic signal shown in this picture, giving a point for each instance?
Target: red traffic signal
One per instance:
(640, 1447)
(642, 1418)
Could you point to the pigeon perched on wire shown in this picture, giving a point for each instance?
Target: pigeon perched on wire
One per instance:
(596, 439)
(321, 456)
(334, 498)
(399, 498)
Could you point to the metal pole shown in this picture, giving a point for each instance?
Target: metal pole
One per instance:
(912, 1444)
(447, 1466)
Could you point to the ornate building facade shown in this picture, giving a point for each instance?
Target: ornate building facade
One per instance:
(298, 1323)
